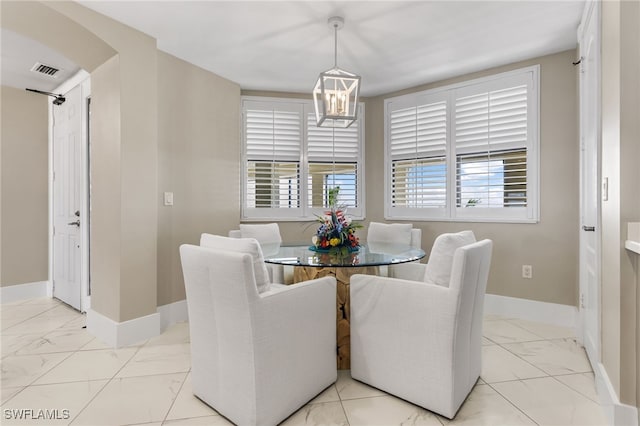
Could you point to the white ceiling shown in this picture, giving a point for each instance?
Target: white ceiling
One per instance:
(284, 45)
(19, 55)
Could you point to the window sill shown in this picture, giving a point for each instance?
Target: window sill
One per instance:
(633, 246)
(462, 220)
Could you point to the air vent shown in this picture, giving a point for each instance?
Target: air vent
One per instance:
(45, 69)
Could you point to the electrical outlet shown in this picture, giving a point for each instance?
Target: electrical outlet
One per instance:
(527, 271)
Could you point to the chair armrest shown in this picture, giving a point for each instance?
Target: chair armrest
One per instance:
(407, 320)
(297, 322)
(296, 307)
(276, 273)
(408, 271)
(370, 292)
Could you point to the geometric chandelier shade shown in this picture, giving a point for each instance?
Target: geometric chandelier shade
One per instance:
(335, 95)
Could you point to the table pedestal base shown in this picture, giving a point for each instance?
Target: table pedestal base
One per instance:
(343, 308)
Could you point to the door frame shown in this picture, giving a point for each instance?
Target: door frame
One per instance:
(591, 11)
(80, 78)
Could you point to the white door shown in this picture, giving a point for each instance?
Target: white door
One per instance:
(589, 40)
(67, 199)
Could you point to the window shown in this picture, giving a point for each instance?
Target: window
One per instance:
(290, 164)
(466, 152)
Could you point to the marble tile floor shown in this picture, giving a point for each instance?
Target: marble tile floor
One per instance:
(533, 374)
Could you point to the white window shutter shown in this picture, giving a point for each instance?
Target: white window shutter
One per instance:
(491, 140)
(289, 164)
(465, 152)
(418, 147)
(273, 135)
(333, 157)
(273, 148)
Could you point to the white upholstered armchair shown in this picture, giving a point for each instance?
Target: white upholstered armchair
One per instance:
(421, 340)
(394, 233)
(259, 351)
(268, 235)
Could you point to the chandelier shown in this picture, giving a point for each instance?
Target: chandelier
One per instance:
(335, 95)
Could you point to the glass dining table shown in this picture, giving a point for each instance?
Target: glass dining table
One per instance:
(371, 259)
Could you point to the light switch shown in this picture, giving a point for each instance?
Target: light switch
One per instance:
(168, 198)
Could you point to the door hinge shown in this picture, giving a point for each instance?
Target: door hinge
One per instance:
(582, 301)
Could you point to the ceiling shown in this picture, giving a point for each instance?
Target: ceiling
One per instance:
(284, 45)
(20, 54)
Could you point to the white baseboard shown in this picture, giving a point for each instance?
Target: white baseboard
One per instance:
(173, 313)
(119, 334)
(615, 412)
(14, 293)
(531, 310)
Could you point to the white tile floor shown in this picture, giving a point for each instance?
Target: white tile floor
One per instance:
(532, 374)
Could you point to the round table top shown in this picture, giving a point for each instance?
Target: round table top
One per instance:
(372, 254)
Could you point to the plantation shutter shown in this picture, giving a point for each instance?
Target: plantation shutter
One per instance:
(417, 134)
(273, 134)
(491, 141)
(333, 155)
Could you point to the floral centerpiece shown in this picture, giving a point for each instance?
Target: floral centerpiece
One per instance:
(337, 232)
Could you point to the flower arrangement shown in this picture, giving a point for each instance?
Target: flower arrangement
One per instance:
(337, 232)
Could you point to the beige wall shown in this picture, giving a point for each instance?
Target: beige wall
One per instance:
(105, 188)
(629, 198)
(629, 193)
(24, 179)
(199, 157)
(152, 131)
(124, 186)
(620, 154)
(550, 246)
(135, 168)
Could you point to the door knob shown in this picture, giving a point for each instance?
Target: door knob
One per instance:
(76, 223)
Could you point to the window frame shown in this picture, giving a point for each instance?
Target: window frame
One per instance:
(452, 213)
(305, 212)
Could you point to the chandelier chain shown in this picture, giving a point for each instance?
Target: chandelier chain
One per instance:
(335, 45)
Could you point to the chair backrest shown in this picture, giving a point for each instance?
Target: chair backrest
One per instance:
(470, 269)
(267, 233)
(438, 270)
(394, 233)
(248, 246)
(469, 275)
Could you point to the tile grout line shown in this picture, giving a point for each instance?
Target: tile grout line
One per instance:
(34, 316)
(524, 360)
(513, 404)
(107, 381)
(521, 358)
(103, 387)
(575, 390)
(540, 368)
(344, 411)
(175, 399)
